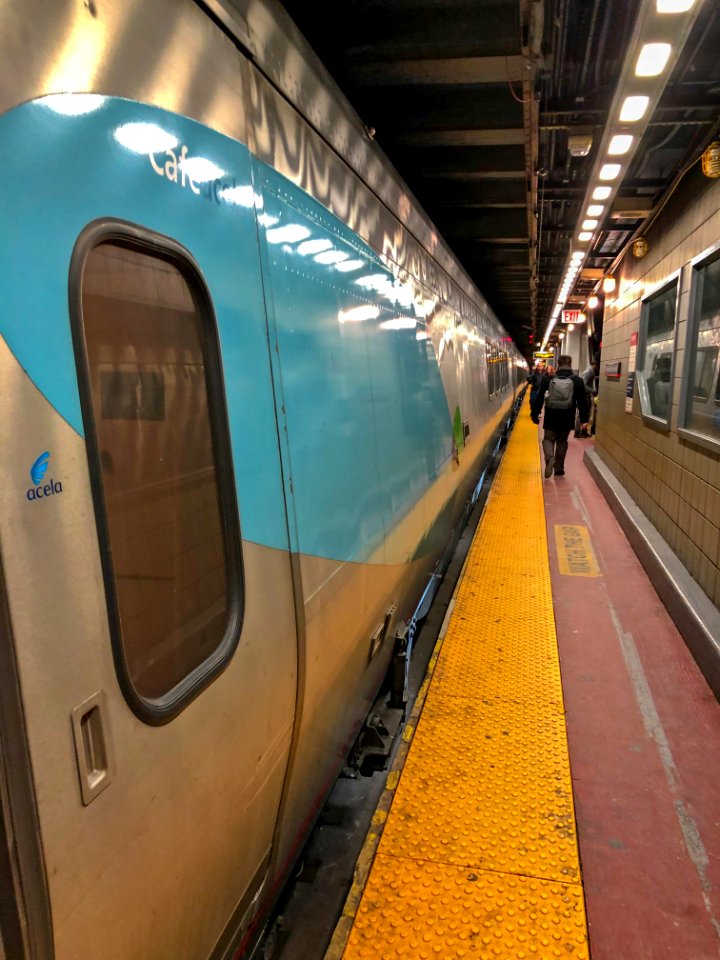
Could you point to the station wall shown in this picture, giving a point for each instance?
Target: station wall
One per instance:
(668, 456)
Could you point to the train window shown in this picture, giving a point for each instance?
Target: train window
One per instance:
(656, 350)
(159, 454)
(701, 415)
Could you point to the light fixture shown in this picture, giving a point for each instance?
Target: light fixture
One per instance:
(633, 109)
(711, 160)
(653, 59)
(639, 247)
(577, 255)
(582, 317)
(595, 209)
(674, 6)
(609, 171)
(570, 327)
(592, 302)
(585, 236)
(589, 224)
(620, 144)
(601, 193)
(608, 284)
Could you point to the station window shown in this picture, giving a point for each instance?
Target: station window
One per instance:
(656, 352)
(702, 386)
(159, 456)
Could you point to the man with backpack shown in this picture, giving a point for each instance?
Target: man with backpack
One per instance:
(562, 394)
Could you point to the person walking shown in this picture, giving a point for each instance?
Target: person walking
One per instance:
(562, 394)
(589, 378)
(535, 379)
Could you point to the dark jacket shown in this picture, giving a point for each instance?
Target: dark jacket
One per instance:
(562, 419)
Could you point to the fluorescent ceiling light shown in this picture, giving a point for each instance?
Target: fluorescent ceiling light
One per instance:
(601, 193)
(609, 171)
(595, 210)
(653, 59)
(585, 236)
(674, 6)
(620, 144)
(577, 255)
(633, 109)
(589, 224)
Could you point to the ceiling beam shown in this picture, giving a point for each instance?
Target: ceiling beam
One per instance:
(466, 70)
(461, 138)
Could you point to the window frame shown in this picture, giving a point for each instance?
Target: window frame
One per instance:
(707, 256)
(161, 710)
(674, 280)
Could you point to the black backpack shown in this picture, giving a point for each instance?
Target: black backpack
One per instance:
(560, 394)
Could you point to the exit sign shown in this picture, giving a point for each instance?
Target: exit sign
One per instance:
(571, 316)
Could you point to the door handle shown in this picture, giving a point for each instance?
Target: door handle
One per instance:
(93, 746)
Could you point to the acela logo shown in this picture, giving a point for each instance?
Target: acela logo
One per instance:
(37, 473)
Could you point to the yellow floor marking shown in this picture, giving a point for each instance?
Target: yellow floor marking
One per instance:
(478, 856)
(576, 557)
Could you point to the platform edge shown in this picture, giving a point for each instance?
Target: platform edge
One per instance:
(695, 615)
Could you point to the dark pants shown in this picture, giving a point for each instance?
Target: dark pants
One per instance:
(555, 444)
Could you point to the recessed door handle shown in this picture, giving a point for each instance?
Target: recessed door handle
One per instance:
(93, 747)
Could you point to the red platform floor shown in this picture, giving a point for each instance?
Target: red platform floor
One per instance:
(644, 735)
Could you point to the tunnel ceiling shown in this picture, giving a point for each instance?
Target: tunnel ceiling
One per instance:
(471, 99)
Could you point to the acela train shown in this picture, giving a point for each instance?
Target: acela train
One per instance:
(246, 394)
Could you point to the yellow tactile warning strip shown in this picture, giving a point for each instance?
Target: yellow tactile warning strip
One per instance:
(472, 850)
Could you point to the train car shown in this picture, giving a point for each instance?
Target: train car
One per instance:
(246, 395)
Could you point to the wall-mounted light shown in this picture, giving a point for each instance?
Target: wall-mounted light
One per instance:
(674, 6)
(608, 284)
(592, 302)
(711, 160)
(639, 247)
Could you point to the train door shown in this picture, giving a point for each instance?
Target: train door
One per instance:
(142, 524)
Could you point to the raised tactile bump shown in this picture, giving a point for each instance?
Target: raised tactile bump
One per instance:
(429, 911)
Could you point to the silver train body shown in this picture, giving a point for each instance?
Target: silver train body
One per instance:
(156, 786)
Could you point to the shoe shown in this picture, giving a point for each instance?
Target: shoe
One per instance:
(549, 467)
(559, 473)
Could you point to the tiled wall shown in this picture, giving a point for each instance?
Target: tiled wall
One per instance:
(675, 482)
